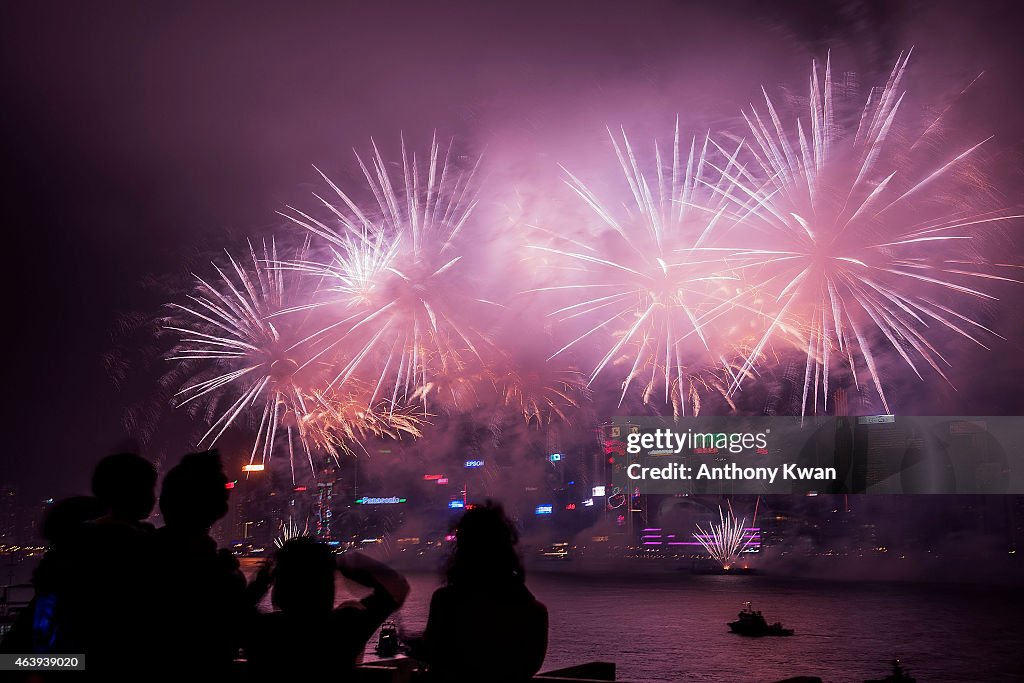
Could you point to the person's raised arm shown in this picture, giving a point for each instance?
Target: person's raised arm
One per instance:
(376, 575)
(256, 589)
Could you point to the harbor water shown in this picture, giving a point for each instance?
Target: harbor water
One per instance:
(673, 627)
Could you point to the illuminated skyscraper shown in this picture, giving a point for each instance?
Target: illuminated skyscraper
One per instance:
(322, 511)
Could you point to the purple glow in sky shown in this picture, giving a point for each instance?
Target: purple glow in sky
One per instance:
(141, 140)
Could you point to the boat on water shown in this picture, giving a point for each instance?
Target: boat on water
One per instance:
(387, 642)
(753, 624)
(898, 675)
(720, 571)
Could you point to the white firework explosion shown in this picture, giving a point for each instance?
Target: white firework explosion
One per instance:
(393, 299)
(839, 229)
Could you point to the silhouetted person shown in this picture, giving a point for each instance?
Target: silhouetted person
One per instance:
(43, 627)
(308, 631)
(113, 573)
(484, 625)
(90, 585)
(200, 592)
(126, 484)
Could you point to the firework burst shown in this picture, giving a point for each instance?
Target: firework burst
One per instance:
(251, 359)
(846, 235)
(655, 284)
(846, 239)
(245, 355)
(392, 300)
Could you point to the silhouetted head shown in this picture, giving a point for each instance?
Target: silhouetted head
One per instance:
(125, 483)
(66, 517)
(304, 577)
(194, 493)
(485, 550)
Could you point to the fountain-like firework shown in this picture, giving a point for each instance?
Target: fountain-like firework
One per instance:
(726, 540)
(289, 532)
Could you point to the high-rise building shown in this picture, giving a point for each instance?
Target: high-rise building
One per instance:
(322, 511)
(8, 515)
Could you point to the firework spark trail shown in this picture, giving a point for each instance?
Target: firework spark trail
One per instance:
(541, 395)
(664, 286)
(340, 419)
(393, 291)
(845, 250)
(726, 540)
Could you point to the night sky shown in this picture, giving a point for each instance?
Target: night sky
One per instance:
(135, 137)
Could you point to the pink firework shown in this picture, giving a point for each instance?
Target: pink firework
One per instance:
(654, 288)
(394, 298)
(865, 244)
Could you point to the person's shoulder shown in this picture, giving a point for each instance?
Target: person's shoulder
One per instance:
(529, 594)
(444, 595)
(357, 617)
(530, 602)
(347, 607)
